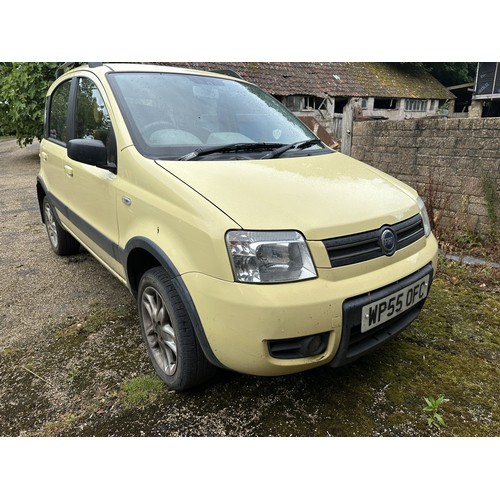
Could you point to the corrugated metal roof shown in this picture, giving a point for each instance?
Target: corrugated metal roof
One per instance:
(336, 79)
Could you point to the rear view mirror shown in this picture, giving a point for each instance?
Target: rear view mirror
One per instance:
(206, 91)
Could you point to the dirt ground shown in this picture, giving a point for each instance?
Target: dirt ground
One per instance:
(39, 291)
(34, 291)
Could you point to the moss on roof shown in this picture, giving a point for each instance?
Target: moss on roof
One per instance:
(336, 79)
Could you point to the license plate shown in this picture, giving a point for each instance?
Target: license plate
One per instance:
(383, 310)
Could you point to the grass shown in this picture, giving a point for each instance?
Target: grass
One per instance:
(92, 378)
(141, 391)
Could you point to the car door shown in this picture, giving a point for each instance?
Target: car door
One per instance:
(85, 194)
(53, 147)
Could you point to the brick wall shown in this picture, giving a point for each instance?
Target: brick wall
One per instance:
(453, 163)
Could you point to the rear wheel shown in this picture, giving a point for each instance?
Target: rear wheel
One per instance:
(169, 334)
(60, 240)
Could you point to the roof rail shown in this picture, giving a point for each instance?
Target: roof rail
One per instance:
(60, 69)
(228, 72)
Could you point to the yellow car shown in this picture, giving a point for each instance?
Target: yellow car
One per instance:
(247, 242)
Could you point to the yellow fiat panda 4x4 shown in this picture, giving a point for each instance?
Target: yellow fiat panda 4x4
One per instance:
(247, 242)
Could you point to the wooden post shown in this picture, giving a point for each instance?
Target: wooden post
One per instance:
(347, 122)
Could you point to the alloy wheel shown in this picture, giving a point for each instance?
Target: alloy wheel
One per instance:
(50, 222)
(159, 331)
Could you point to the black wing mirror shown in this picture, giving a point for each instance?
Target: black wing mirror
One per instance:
(89, 151)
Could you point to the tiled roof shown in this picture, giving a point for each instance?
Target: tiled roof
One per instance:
(337, 79)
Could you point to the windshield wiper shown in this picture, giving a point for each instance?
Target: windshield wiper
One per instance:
(229, 148)
(294, 145)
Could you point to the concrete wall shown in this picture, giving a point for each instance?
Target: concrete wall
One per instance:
(453, 163)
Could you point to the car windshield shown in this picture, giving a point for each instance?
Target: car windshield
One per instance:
(170, 115)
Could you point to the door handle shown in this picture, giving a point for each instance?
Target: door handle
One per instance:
(44, 156)
(68, 170)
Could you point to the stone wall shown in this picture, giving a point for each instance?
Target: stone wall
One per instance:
(454, 164)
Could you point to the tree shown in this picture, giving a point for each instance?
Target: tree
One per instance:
(23, 87)
(452, 73)
(447, 73)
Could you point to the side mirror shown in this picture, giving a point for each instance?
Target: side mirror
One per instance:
(89, 151)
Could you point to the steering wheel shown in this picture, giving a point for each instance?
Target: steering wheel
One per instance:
(154, 126)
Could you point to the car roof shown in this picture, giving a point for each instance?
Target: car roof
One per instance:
(103, 68)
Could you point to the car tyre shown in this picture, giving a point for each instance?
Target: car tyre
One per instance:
(169, 334)
(60, 240)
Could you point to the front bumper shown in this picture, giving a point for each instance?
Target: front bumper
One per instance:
(354, 342)
(240, 320)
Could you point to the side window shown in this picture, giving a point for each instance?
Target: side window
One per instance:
(58, 115)
(92, 118)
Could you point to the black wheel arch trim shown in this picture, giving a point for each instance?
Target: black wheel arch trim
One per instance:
(40, 186)
(52, 200)
(180, 287)
(152, 248)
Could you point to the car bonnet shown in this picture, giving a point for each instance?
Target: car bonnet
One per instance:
(322, 196)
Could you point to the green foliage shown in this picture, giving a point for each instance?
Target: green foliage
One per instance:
(452, 73)
(492, 202)
(432, 406)
(447, 73)
(466, 239)
(23, 87)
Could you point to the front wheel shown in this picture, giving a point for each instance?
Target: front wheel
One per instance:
(169, 334)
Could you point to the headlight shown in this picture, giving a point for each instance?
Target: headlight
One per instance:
(425, 216)
(269, 256)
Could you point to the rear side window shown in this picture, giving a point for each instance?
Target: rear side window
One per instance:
(58, 115)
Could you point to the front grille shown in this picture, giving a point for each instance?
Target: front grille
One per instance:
(365, 246)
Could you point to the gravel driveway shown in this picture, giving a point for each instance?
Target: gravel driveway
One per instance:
(38, 288)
